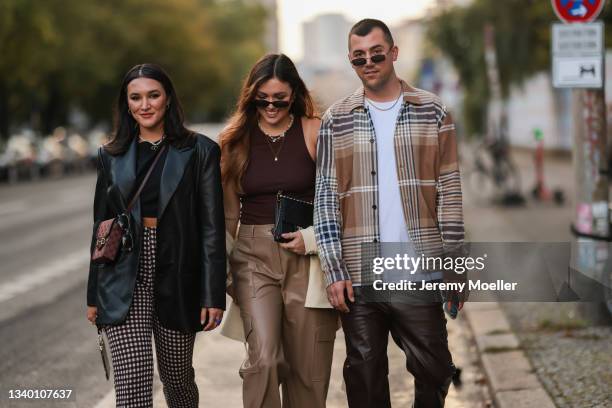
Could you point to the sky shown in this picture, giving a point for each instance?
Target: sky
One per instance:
(292, 13)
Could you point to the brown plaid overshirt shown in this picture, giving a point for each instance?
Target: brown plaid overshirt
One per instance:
(347, 184)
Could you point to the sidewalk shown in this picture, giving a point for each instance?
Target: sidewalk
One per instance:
(217, 359)
(529, 348)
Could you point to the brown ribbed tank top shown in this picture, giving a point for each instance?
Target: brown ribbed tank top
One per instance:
(293, 173)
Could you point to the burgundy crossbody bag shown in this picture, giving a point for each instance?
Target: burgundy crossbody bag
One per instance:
(110, 232)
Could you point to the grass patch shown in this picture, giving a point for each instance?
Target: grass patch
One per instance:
(562, 325)
(498, 331)
(583, 336)
(500, 349)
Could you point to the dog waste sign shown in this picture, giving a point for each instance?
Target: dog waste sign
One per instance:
(577, 55)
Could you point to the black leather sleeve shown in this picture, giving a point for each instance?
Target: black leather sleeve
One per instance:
(212, 228)
(100, 213)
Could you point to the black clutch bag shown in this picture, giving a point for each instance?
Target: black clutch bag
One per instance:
(290, 215)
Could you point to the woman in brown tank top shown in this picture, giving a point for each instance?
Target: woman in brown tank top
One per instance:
(270, 145)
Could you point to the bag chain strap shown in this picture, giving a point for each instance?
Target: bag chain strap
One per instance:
(280, 195)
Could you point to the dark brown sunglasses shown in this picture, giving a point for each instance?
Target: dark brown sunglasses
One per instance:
(376, 59)
(264, 103)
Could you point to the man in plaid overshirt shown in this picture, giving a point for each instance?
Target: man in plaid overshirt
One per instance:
(387, 171)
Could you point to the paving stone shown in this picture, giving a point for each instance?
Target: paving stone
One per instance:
(491, 321)
(575, 366)
(536, 398)
(489, 343)
(481, 306)
(509, 371)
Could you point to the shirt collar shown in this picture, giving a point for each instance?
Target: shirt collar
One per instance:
(357, 99)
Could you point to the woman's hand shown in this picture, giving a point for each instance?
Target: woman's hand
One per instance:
(296, 244)
(92, 314)
(212, 317)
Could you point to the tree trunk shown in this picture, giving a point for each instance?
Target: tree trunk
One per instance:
(4, 112)
(54, 112)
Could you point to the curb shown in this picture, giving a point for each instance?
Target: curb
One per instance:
(510, 376)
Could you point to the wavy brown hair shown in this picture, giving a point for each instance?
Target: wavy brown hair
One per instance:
(234, 138)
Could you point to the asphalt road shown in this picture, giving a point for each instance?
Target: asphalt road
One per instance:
(45, 339)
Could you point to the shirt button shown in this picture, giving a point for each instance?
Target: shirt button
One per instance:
(374, 207)
(375, 240)
(371, 140)
(373, 172)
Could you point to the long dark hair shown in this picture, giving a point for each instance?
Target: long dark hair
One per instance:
(234, 139)
(126, 127)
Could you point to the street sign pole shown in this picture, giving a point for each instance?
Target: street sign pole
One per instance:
(590, 163)
(578, 56)
(591, 254)
(578, 63)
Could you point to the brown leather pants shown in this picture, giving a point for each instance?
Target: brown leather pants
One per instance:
(288, 344)
(419, 329)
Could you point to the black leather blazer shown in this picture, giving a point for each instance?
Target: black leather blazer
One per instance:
(190, 258)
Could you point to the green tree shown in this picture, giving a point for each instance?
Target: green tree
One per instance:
(522, 43)
(60, 54)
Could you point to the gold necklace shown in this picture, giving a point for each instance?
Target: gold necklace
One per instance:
(273, 139)
(276, 138)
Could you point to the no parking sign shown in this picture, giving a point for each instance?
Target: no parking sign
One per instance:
(577, 11)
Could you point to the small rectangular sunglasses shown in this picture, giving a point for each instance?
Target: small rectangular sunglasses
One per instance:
(361, 61)
(263, 103)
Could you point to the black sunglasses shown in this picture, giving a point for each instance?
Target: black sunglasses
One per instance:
(376, 59)
(263, 103)
(126, 238)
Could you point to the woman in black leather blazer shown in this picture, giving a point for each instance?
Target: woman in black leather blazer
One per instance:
(172, 282)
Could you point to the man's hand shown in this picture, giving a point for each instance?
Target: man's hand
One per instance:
(453, 297)
(335, 294)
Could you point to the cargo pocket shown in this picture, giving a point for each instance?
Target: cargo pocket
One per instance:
(249, 365)
(242, 268)
(323, 352)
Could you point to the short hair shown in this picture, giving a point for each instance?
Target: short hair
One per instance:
(365, 26)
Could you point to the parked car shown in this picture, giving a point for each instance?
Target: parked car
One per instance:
(20, 157)
(96, 138)
(52, 154)
(78, 154)
(25, 156)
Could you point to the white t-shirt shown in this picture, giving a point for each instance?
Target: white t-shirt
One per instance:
(391, 221)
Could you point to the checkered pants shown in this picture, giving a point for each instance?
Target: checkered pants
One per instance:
(132, 351)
